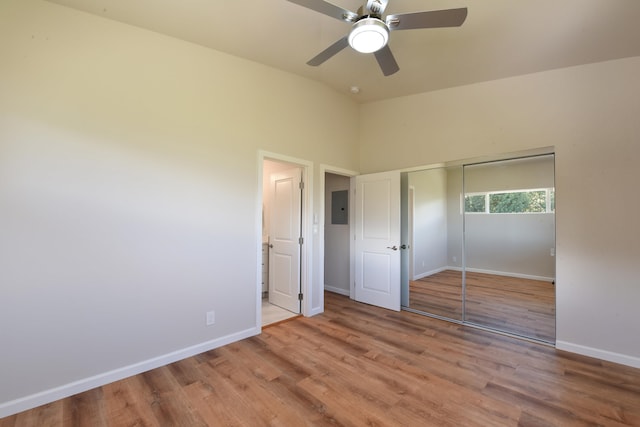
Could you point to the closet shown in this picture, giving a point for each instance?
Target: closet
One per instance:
(481, 245)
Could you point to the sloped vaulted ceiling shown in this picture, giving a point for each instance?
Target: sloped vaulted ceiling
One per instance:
(500, 38)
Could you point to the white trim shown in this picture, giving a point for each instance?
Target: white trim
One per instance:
(501, 273)
(508, 274)
(610, 356)
(317, 310)
(61, 392)
(258, 232)
(411, 200)
(432, 272)
(335, 290)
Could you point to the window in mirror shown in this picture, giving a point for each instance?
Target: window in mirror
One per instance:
(475, 203)
(515, 201)
(509, 247)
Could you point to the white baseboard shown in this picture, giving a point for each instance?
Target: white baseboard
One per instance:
(430, 273)
(335, 290)
(508, 274)
(479, 270)
(609, 356)
(315, 312)
(51, 395)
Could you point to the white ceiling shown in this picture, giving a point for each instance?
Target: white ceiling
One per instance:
(500, 38)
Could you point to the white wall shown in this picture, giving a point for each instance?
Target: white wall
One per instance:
(336, 241)
(515, 174)
(129, 194)
(510, 244)
(590, 115)
(517, 245)
(429, 221)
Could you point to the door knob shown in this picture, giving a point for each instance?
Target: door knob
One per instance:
(403, 246)
(394, 247)
(270, 245)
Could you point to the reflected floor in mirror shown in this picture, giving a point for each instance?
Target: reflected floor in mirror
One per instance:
(439, 294)
(520, 306)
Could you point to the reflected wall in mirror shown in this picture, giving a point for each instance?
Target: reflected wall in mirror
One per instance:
(501, 216)
(509, 238)
(433, 237)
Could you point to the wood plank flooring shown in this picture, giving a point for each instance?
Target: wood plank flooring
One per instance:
(521, 306)
(358, 365)
(439, 294)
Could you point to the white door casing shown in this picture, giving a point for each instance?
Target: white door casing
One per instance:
(284, 234)
(377, 224)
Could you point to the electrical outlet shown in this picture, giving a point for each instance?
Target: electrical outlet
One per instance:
(211, 317)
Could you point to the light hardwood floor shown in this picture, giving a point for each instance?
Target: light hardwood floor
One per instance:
(358, 365)
(439, 294)
(521, 306)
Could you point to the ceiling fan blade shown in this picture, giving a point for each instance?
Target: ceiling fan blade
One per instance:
(329, 52)
(428, 19)
(387, 62)
(327, 9)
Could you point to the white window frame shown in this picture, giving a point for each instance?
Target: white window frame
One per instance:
(487, 195)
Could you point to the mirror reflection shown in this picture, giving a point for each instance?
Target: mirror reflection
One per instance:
(481, 245)
(435, 234)
(509, 239)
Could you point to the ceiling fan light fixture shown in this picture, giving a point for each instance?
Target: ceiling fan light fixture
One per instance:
(368, 35)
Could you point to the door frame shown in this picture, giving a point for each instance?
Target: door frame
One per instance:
(324, 169)
(306, 249)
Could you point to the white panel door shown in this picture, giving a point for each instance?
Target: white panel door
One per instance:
(377, 239)
(284, 234)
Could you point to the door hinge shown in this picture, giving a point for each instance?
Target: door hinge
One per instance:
(301, 185)
(300, 240)
(300, 297)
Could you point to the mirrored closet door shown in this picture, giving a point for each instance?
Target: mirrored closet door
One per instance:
(509, 240)
(433, 239)
(480, 245)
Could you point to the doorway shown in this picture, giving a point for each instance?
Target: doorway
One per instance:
(337, 252)
(282, 239)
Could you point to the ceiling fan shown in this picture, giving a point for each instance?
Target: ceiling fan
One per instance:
(370, 32)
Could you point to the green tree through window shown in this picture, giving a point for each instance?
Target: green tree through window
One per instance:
(474, 203)
(518, 202)
(533, 201)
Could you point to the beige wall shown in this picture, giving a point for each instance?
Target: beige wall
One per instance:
(590, 115)
(129, 189)
(129, 199)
